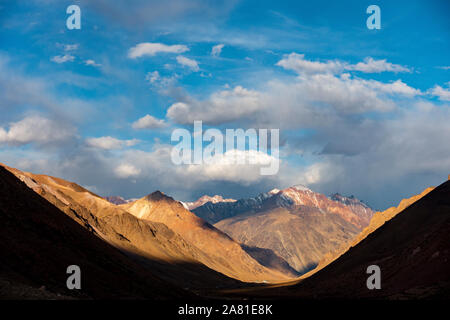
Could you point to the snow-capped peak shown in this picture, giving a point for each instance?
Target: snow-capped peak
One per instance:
(274, 191)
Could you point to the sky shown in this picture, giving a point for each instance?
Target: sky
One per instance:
(362, 112)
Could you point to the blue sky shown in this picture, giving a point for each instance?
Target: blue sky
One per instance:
(360, 111)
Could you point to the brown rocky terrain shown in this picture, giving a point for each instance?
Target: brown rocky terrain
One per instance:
(350, 209)
(205, 199)
(297, 224)
(411, 247)
(225, 254)
(300, 235)
(166, 248)
(38, 242)
(378, 219)
(165, 251)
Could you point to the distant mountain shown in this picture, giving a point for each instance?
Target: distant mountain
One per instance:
(354, 211)
(38, 242)
(410, 244)
(117, 200)
(225, 254)
(296, 223)
(204, 199)
(214, 212)
(359, 207)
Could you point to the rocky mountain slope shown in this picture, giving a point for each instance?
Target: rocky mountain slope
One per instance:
(378, 219)
(296, 223)
(351, 210)
(38, 242)
(167, 252)
(411, 247)
(204, 199)
(117, 200)
(228, 256)
(301, 235)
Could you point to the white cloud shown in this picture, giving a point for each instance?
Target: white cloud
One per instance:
(148, 122)
(376, 66)
(161, 82)
(153, 76)
(299, 64)
(440, 92)
(150, 49)
(91, 62)
(126, 170)
(304, 101)
(396, 87)
(344, 95)
(110, 143)
(217, 50)
(190, 63)
(225, 167)
(222, 106)
(35, 129)
(63, 59)
(70, 47)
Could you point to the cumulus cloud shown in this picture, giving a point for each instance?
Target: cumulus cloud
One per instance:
(300, 65)
(190, 63)
(110, 143)
(395, 87)
(126, 170)
(241, 166)
(376, 66)
(217, 50)
(35, 129)
(406, 151)
(63, 59)
(222, 106)
(306, 100)
(161, 82)
(148, 122)
(440, 92)
(153, 48)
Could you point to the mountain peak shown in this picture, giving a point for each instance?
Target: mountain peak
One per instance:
(158, 196)
(274, 191)
(205, 199)
(348, 200)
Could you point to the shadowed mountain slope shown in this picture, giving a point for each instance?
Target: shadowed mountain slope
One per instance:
(296, 223)
(164, 251)
(412, 250)
(300, 235)
(227, 256)
(38, 242)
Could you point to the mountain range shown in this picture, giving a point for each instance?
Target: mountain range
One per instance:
(283, 243)
(410, 245)
(296, 223)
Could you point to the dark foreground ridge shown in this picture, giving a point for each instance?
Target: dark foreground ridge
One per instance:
(38, 242)
(412, 251)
